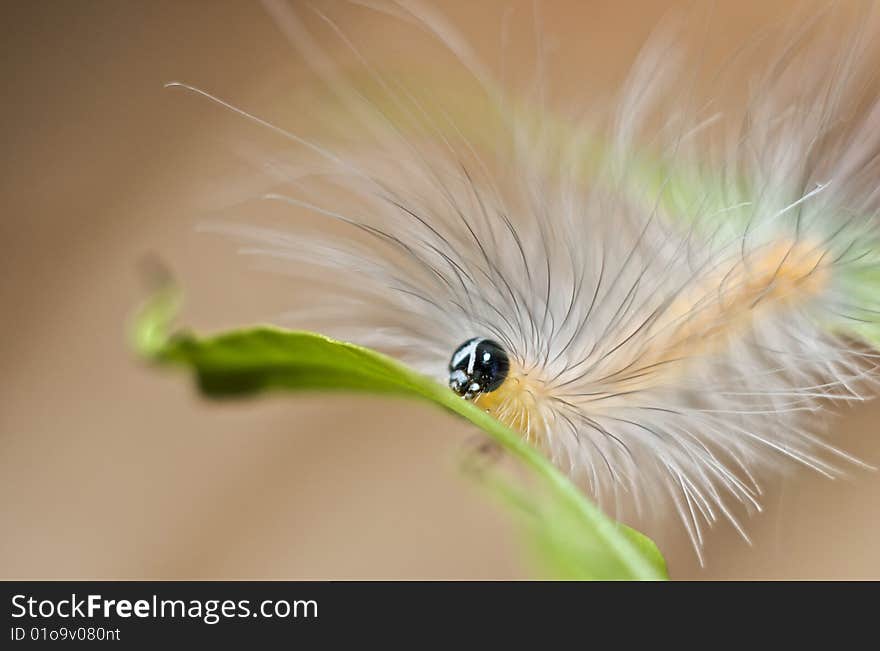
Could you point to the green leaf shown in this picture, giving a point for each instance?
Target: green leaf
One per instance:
(574, 539)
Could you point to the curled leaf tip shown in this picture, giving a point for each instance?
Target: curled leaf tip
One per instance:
(150, 327)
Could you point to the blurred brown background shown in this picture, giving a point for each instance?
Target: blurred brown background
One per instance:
(110, 470)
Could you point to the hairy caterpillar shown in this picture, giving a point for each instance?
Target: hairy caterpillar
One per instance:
(660, 297)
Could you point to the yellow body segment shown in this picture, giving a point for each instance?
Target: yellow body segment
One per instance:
(701, 321)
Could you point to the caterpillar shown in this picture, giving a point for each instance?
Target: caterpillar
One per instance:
(662, 296)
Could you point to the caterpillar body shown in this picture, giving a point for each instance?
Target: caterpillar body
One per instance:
(660, 297)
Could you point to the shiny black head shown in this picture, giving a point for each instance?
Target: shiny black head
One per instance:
(477, 366)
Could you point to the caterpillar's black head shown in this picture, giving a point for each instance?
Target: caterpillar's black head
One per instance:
(477, 366)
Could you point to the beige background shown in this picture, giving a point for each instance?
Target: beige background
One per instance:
(110, 470)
